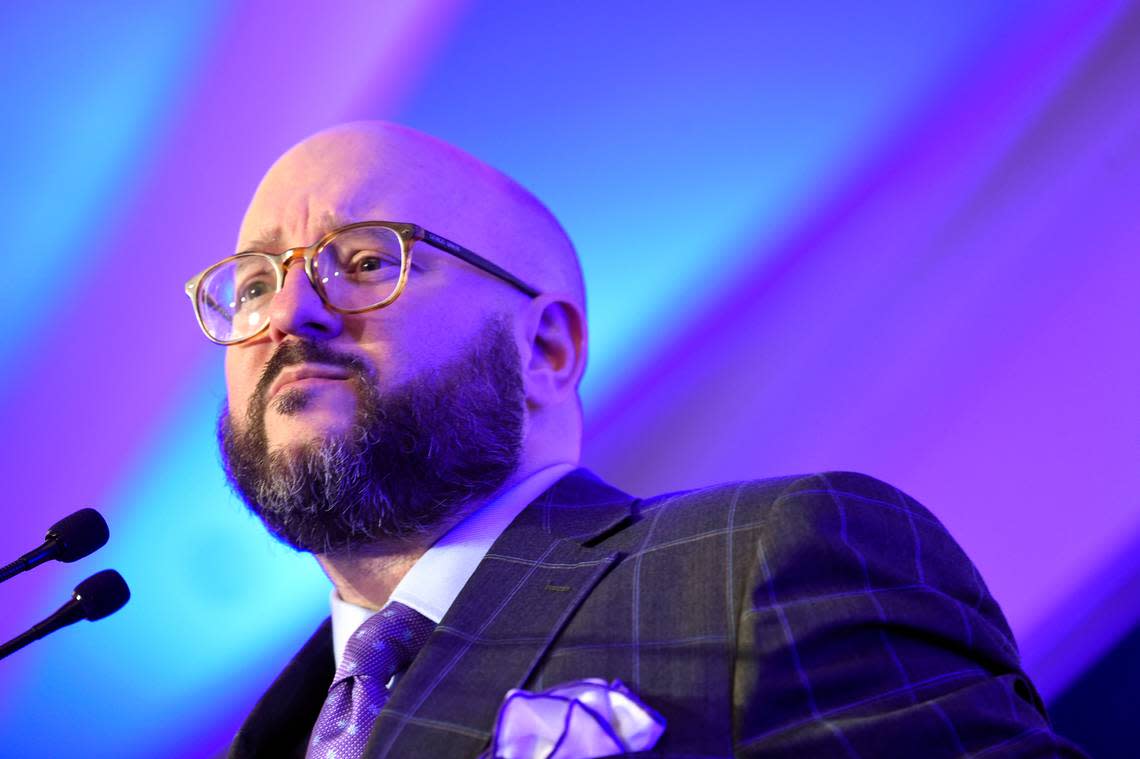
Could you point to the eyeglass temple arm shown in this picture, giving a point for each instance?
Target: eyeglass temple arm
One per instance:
(478, 261)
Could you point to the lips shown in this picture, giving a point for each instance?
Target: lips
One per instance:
(304, 372)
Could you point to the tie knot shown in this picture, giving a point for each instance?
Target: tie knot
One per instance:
(386, 643)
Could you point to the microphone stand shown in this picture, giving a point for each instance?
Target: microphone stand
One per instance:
(28, 561)
(67, 614)
(101, 594)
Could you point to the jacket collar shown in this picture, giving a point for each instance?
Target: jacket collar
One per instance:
(533, 579)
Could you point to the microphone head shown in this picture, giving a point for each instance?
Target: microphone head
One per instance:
(78, 535)
(101, 594)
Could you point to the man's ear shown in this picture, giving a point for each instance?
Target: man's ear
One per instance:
(556, 335)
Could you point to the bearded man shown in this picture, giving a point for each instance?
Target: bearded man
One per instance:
(406, 332)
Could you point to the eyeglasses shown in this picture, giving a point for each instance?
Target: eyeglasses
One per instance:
(355, 268)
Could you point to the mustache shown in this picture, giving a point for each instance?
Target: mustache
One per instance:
(300, 352)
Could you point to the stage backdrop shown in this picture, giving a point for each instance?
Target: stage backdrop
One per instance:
(894, 237)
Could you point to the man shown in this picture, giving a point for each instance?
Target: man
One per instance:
(404, 351)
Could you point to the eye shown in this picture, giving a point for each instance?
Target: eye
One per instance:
(371, 264)
(252, 291)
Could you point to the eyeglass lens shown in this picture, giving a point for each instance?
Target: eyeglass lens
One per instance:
(355, 269)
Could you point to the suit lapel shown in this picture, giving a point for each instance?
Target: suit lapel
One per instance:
(280, 722)
(531, 582)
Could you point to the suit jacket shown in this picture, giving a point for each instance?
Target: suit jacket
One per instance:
(827, 615)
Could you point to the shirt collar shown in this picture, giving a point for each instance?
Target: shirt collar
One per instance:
(434, 581)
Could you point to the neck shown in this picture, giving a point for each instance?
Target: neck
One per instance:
(368, 579)
(367, 576)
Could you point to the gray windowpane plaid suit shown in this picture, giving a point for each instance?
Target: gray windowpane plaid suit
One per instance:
(828, 615)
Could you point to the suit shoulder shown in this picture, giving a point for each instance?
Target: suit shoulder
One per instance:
(772, 497)
(723, 507)
(803, 513)
(844, 523)
(852, 496)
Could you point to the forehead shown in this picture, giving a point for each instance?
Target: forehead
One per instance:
(332, 181)
(298, 208)
(275, 238)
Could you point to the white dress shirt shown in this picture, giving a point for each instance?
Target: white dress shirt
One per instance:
(434, 581)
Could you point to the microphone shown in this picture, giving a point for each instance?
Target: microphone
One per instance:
(69, 539)
(101, 594)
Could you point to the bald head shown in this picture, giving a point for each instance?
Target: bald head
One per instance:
(382, 171)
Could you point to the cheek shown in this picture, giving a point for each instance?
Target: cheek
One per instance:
(434, 342)
(416, 335)
(438, 316)
(241, 379)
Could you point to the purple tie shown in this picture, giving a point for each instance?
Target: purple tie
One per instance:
(385, 644)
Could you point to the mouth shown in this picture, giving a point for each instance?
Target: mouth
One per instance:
(305, 373)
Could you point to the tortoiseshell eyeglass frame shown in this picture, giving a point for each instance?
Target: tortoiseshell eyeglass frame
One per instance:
(409, 234)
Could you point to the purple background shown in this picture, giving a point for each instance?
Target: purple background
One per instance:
(896, 237)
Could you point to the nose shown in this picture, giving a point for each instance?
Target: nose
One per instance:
(297, 310)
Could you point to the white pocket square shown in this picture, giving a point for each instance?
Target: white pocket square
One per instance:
(583, 719)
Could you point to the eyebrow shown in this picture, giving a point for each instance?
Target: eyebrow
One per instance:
(268, 240)
(271, 237)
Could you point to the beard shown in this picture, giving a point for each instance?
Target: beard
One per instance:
(413, 459)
